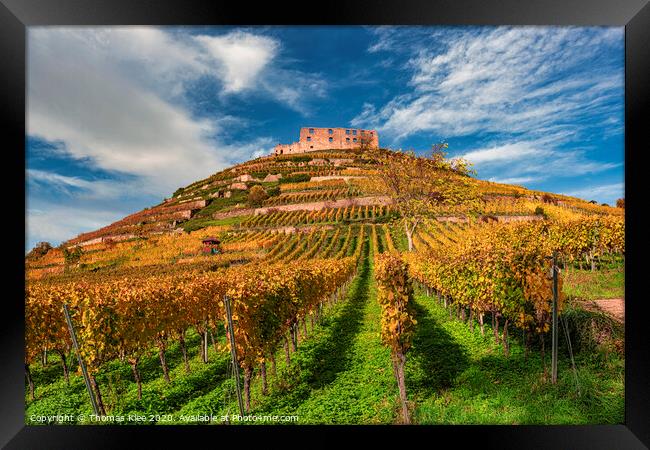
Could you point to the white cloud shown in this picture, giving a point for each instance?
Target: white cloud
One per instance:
(299, 92)
(529, 161)
(58, 223)
(259, 153)
(81, 92)
(383, 39)
(79, 187)
(248, 63)
(514, 180)
(503, 153)
(498, 80)
(605, 193)
(258, 147)
(241, 57)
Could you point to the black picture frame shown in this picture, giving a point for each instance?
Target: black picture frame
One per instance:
(634, 15)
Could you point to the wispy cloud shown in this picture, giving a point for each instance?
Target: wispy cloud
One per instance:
(530, 161)
(53, 223)
(502, 79)
(503, 153)
(396, 39)
(538, 94)
(78, 187)
(514, 180)
(608, 193)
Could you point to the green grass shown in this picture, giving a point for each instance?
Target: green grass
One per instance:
(220, 203)
(198, 223)
(399, 236)
(456, 376)
(599, 284)
(357, 385)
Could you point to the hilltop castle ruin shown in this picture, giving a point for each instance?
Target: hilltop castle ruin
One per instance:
(312, 139)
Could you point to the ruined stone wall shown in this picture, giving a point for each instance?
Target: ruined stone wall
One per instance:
(312, 139)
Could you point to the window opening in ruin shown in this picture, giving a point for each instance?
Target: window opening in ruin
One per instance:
(355, 139)
(347, 139)
(330, 131)
(354, 132)
(331, 139)
(347, 131)
(308, 138)
(311, 131)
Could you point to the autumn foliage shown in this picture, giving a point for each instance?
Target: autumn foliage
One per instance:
(126, 314)
(395, 296)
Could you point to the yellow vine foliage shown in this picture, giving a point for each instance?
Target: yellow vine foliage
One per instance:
(127, 312)
(395, 296)
(506, 268)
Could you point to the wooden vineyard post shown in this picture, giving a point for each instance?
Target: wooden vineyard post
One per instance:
(233, 353)
(554, 330)
(73, 336)
(205, 343)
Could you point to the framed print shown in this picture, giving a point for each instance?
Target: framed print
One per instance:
(396, 218)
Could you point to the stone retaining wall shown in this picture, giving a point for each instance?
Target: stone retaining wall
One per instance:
(317, 206)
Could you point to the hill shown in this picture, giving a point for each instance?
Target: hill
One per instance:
(322, 189)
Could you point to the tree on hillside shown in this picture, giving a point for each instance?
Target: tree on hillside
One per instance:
(71, 255)
(421, 186)
(256, 196)
(620, 203)
(39, 250)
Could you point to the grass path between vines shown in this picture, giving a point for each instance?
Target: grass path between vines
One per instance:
(341, 374)
(456, 376)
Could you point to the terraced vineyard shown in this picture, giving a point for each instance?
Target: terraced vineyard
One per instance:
(319, 327)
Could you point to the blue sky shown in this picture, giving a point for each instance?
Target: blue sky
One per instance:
(120, 117)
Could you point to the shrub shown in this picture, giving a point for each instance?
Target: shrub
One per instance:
(72, 256)
(539, 211)
(548, 199)
(273, 191)
(39, 250)
(256, 196)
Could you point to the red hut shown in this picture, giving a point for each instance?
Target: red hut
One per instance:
(211, 245)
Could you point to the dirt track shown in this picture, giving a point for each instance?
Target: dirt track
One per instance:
(614, 307)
